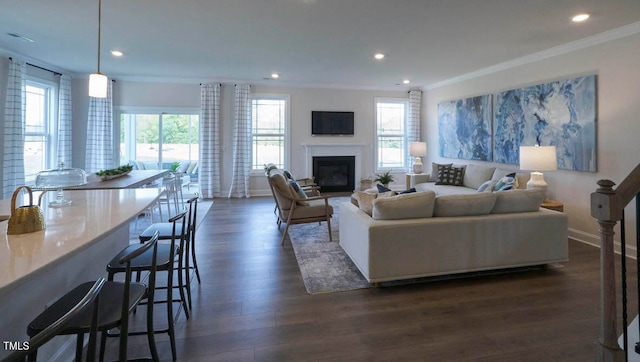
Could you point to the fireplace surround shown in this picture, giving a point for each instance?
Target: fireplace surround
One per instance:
(318, 150)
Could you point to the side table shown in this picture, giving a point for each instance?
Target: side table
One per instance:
(553, 205)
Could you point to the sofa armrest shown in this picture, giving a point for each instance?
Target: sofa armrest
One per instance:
(419, 178)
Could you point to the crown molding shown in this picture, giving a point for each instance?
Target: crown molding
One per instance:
(600, 38)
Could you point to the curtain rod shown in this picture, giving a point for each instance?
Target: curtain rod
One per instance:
(39, 67)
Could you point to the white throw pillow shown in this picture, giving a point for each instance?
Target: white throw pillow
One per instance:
(479, 203)
(518, 201)
(365, 201)
(413, 205)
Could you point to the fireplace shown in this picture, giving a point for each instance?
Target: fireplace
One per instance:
(335, 173)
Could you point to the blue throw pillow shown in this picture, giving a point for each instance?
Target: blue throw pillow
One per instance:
(506, 183)
(413, 189)
(382, 189)
(287, 174)
(297, 189)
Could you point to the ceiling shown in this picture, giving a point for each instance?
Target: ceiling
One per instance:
(320, 43)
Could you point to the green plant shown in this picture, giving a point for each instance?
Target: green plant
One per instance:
(385, 178)
(174, 166)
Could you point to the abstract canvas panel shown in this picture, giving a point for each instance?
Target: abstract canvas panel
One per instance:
(560, 113)
(464, 128)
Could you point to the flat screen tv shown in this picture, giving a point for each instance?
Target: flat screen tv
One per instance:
(331, 123)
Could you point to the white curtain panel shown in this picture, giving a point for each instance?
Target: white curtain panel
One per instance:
(14, 116)
(241, 143)
(209, 160)
(413, 122)
(64, 121)
(100, 133)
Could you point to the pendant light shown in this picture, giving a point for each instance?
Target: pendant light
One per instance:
(97, 80)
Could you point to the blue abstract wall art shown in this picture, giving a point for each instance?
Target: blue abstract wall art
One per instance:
(561, 114)
(464, 128)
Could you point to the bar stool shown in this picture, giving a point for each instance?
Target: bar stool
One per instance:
(165, 233)
(170, 193)
(168, 254)
(116, 301)
(88, 302)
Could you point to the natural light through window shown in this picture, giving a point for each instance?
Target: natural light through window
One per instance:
(269, 129)
(38, 137)
(158, 139)
(391, 120)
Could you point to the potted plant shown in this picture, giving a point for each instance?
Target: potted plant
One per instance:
(384, 178)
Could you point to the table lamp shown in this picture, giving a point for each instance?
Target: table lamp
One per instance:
(536, 159)
(417, 150)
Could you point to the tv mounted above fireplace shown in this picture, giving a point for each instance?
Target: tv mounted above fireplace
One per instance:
(331, 123)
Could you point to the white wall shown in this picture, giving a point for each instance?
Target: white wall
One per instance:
(302, 102)
(618, 120)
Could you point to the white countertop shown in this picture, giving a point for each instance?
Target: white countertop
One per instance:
(90, 217)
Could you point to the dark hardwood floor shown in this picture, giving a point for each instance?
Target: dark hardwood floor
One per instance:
(252, 306)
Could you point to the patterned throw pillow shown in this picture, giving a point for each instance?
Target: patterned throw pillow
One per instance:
(487, 186)
(506, 183)
(434, 170)
(449, 175)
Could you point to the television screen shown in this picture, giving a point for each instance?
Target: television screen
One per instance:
(331, 123)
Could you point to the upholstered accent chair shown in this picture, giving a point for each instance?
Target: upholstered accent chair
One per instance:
(293, 208)
(307, 185)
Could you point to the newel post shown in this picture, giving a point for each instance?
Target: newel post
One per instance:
(604, 208)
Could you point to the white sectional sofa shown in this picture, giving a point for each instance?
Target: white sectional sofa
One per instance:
(424, 234)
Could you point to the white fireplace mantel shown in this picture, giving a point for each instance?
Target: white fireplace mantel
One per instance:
(318, 150)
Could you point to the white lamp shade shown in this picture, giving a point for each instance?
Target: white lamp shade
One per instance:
(417, 149)
(538, 158)
(98, 85)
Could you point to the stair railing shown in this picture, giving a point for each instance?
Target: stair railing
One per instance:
(607, 207)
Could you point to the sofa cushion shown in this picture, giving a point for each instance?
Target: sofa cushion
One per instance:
(192, 167)
(475, 175)
(413, 205)
(443, 189)
(479, 203)
(449, 175)
(183, 166)
(434, 170)
(521, 200)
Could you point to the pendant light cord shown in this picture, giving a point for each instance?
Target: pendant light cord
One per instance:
(99, 20)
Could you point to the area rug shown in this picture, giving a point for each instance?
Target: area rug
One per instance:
(324, 266)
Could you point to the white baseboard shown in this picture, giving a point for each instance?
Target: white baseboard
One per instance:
(594, 240)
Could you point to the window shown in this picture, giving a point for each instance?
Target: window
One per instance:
(391, 123)
(40, 128)
(269, 120)
(159, 138)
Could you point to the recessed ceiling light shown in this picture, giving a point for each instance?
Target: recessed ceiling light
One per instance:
(116, 53)
(378, 56)
(580, 17)
(406, 81)
(275, 75)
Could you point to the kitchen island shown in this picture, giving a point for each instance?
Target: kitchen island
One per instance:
(37, 268)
